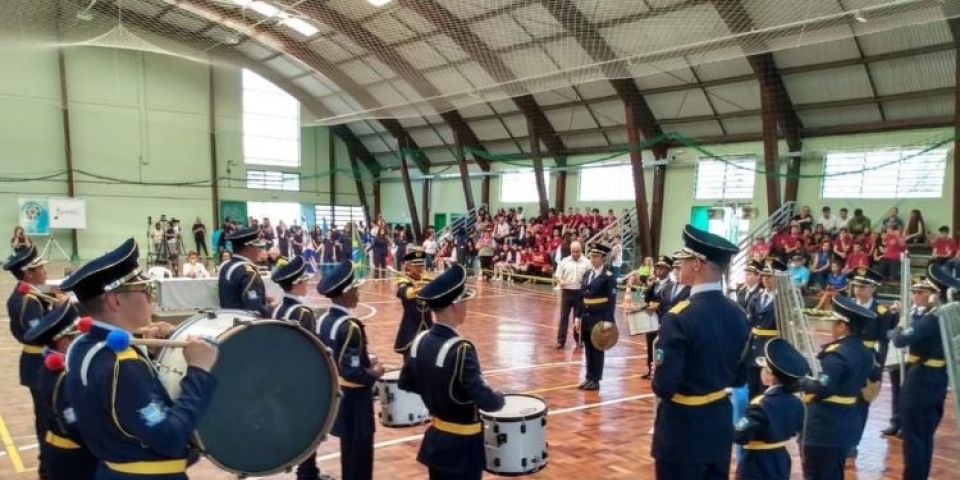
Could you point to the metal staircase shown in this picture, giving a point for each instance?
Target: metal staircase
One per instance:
(778, 219)
(466, 222)
(626, 227)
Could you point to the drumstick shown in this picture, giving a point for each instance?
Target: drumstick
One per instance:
(120, 340)
(25, 288)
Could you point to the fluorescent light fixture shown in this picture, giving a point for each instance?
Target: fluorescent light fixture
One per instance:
(858, 16)
(300, 26)
(240, 3)
(263, 8)
(378, 3)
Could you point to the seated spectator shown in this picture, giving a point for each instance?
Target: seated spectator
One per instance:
(944, 246)
(759, 249)
(843, 245)
(817, 238)
(916, 231)
(799, 273)
(894, 245)
(856, 259)
(842, 217)
(803, 219)
(820, 261)
(868, 240)
(20, 239)
(611, 217)
(859, 223)
(792, 242)
(836, 282)
(831, 224)
(893, 219)
(193, 268)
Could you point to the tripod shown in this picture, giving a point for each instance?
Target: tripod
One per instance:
(164, 249)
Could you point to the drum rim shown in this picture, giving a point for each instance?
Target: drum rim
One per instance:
(334, 392)
(518, 418)
(383, 378)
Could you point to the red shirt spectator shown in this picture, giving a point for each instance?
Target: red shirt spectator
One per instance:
(856, 259)
(869, 241)
(844, 244)
(894, 244)
(944, 246)
(778, 239)
(759, 249)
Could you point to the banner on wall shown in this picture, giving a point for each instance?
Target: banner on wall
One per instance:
(34, 215)
(68, 213)
(236, 211)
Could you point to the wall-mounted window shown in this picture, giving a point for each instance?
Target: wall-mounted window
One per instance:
(520, 186)
(888, 173)
(271, 124)
(272, 180)
(609, 183)
(729, 178)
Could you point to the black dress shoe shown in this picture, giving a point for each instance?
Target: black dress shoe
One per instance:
(583, 384)
(646, 374)
(559, 346)
(891, 431)
(591, 385)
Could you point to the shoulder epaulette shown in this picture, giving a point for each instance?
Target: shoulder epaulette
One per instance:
(250, 268)
(609, 273)
(756, 400)
(881, 309)
(680, 307)
(128, 354)
(832, 348)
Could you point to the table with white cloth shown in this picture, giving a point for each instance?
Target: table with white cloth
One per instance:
(198, 293)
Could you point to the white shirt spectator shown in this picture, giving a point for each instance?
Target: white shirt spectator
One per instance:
(194, 270)
(617, 256)
(430, 246)
(570, 272)
(503, 229)
(830, 225)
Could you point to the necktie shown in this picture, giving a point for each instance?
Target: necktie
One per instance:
(673, 294)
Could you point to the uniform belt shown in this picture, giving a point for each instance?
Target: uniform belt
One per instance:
(456, 428)
(759, 445)
(347, 383)
(61, 442)
(837, 399)
(32, 349)
(698, 400)
(870, 343)
(595, 301)
(149, 467)
(765, 332)
(930, 362)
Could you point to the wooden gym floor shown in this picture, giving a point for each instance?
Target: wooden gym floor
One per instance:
(592, 435)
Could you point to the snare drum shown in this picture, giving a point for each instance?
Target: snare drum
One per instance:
(399, 408)
(277, 392)
(516, 436)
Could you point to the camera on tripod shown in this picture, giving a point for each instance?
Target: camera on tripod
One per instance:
(166, 242)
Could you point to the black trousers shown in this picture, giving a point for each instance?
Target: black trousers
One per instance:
(39, 429)
(823, 463)
(201, 245)
(438, 475)
(356, 458)
(894, 373)
(692, 471)
(754, 382)
(919, 424)
(568, 304)
(593, 356)
(651, 338)
(308, 469)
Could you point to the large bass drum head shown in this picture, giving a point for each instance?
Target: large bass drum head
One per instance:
(275, 400)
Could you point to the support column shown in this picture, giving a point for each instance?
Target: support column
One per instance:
(656, 214)
(214, 158)
(561, 190)
(332, 155)
(355, 168)
(425, 205)
(485, 191)
(768, 117)
(956, 150)
(408, 190)
(377, 211)
(538, 166)
(68, 144)
(464, 171)
(644, 238)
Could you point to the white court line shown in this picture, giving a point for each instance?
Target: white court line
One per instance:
(554, 364)
(561, 411)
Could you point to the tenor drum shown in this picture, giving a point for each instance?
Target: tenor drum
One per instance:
(399, 408)
(516, 436)
(277, 392)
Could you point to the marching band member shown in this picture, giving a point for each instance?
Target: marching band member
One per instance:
(345, 335)
(661, 295)
(761, 313)
(925, 386)
(124, 414)
(751, 287)
(832, 425)
(64, 455)
(774, 417)
(699, 355)
(444, 370)
(416, 314)
(874, 335)
(598, 303)
(25, 308)
(239, 285)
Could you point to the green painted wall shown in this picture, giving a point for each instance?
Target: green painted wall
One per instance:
(137, 117)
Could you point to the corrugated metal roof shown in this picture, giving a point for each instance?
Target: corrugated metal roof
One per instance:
(686, 103)
(517, 125)
(825, 117)
(553, 97)
(734, 126)
(817, 53)
(910, 36)
(576, 118)
(537, 21)
(695, 129)
(735, 97)
(924, 72)
(285, 66)
(388, 28)
(599, 88)
(528, 62)
(584, 140)
(500, 31)
(567, 53)
(723, 69)
(413, 20)
(315, 86)
(834, 84)
(662, 75)
(426, 138)
(421, 55)
(254, 50)
(478, 109)
(940, 106)
(618, 137)
(488, 129)
(610, 112)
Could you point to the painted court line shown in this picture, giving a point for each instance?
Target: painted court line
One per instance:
(11, 447)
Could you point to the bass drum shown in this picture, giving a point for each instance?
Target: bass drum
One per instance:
(515, 437)
(277, 394)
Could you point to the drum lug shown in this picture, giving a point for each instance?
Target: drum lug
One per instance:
(496, 428)
(543, 421)
(523, 462)
(496, 462)
(523, 428)
(501, 439)
(239, 321)
(210, 314)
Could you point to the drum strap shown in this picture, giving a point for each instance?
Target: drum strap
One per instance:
(442, 354)
(293, 308)
(87, 359)
(416, 343)
(336, 326)
(276, 312)
(233, 268)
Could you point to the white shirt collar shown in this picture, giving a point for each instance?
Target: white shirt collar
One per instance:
(334, 306)
(869, 303)
(242, 258)
(705, 287)
(448, 327)
(292, 297)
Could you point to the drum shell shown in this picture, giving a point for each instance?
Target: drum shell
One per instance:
(223, 325)
(399, 408)
(516, 444)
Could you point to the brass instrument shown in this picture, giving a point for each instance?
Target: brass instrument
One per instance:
(905, 318)
(791, 321)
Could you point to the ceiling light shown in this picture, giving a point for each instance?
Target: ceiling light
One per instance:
(263, 8)
(301, 26)
(240, 3)
(858, 16)
(378, 3)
